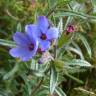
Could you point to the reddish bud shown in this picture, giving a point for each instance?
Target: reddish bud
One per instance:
(70, 28)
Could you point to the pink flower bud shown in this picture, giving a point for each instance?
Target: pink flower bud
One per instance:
(70, 28)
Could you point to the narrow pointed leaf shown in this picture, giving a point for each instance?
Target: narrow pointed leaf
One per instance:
(86, 44)
(7, 43)
(53, 79)
(60, 92)
(78, 62)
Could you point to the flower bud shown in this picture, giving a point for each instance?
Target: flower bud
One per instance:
(70, 29)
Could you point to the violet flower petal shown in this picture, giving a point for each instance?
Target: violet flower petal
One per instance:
(19, 51)
(52, 33)
(21, 39)
(32, 30)
(42, 23)
(44, 45)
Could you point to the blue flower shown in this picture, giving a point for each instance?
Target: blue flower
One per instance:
(26, 46)
(43, 31)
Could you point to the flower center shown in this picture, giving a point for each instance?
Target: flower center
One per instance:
(31, 47)
(43, 36)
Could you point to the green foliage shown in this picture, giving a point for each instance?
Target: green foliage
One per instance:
(84, 41)
(7, 43)
(53, 79)
(71, 59)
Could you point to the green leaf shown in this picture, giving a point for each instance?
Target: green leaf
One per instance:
(74, 78)
(34, 65)
(27, 89)
(7, 43)
(84, 92)
(37, 73)
(94, 2)
(60, 92)
(4, 93)
(19, 28)
(63, 39)
(78, 48)
(76, 51)
(59, 64)
(12, 72)
(81, 1)
(53, 79)
(86, 44)
(78, 62)
(42, 92)
(60, 25)
(52, 3)
(73, 13)
(64, 2)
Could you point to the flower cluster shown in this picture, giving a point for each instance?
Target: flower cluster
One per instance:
(37, 37)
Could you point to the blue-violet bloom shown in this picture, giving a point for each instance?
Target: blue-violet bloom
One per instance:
(26, 46)
(43, 31)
